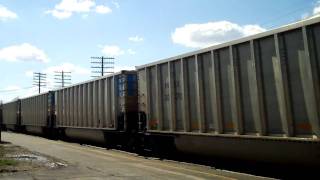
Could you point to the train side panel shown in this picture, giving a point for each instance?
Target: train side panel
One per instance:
(11, 117)
(34, 113)
(261, 87)
(91, 109)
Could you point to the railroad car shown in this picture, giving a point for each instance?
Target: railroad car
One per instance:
(102, 110)
(37, 113)
(255, 98)
(11, 115)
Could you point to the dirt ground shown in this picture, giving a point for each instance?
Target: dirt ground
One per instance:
(14, 159)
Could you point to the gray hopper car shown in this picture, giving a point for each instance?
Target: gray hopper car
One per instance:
(91, 109)
(10, 115)
(36, 114)
(256, 98)
(253, 98)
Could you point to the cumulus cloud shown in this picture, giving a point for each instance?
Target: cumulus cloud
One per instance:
(29, 73)
(6, 14)
(23, 52)
(211, 33)
(305, 15)
(68, 67)
(59, 14)
(76, 73)
(12, 88)
(12, 92)
(132, 52)
(116, 4)
(9, 93)
(75, 5)
(101, 9)
(120, 68)
(315, 12)
(85, 16)
(136, 39)
(316, 9)
(112, 50)
(24, 92)
(66, 8)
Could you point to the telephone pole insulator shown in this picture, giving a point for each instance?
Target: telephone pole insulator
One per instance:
(104, 64)
(62, 78)
(39, 79)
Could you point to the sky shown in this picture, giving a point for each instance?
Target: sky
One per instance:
(53, 35)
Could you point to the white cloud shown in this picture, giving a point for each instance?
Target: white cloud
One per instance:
(29, 73)
(23, 52)
(120, 68)
(132, 52)
(315, 12)
(12, 92)
(116, 4)
(32, 91)
(136, 39)
(12, 88)
(101, 9)
(59, 14)
(6, 14)
(77, 73)
(66, 8)
(316, 9)
(26, 92)
(75, 5)
(211, 33)
(305, 15)
(67, 67)
(112, 50)
(85, 16)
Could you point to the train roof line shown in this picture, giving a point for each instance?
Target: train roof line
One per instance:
(284, 28)
(94, 79)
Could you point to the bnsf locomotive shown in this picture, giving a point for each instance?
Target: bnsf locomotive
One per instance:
(255, 98)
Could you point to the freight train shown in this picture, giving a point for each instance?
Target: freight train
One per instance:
(255, 98)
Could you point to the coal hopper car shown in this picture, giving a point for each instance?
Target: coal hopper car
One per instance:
(37, 114)
(255, 98)
(102, 110)
(11, 115)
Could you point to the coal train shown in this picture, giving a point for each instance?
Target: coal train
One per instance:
(255, 98)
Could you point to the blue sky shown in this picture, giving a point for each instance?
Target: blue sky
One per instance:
(46, 36)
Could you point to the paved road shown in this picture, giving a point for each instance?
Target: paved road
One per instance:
(88, 162)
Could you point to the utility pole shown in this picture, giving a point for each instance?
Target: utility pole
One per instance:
(103, 63)
(39, 80)
(1, 119)
(63, 78)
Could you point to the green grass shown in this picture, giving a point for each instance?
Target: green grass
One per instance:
(8, 162)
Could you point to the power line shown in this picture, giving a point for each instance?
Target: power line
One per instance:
(63, 78)
(39, 80)
(103, 65)
(284, 15)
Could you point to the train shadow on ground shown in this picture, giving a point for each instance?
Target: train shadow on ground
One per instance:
(278, 171)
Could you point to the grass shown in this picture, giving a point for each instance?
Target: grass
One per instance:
(7, 162)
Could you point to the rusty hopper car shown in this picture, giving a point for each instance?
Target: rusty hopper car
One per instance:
(255, 98)
(99, 108)
(11, 115)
